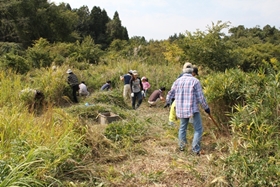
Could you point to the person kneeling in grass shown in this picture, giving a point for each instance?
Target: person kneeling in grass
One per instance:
(156, 96)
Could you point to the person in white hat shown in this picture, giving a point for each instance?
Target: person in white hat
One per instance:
(188, 95)
(136, 90)
(74, 83)
(172, 112)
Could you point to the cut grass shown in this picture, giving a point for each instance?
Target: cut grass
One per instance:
(155, 160)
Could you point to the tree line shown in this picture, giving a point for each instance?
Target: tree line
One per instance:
(24, 21)
(36, 33)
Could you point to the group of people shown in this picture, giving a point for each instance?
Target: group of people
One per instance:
(185, 96)
(136, 89)
(81, 87)
(133, 87)
(76, 86)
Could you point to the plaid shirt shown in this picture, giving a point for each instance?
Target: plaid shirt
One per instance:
(188, 95)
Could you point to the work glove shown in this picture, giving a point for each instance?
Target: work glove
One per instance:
(166, 105)
(207, 111)
(132, 94)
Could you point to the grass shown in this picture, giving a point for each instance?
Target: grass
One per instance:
(154, 160)
(63, 144)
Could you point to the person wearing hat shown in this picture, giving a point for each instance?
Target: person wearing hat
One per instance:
(126, 80)
(169, 101)
(172, 113)
(146, 86)
(74, 83)
(188, 95)
(136, 90)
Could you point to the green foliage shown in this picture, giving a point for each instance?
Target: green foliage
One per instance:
(16, 63)
(132, 131)
(87, 51)
(174, 53)
(224, 90)
(251, 58)
(96, 26)
(115, 30)
(54, 148)
(255, 34)
(39, 55)
(209, 48)
(255, 134)
(114, 98)
(33, 149)
(9, 47)
(16, 176)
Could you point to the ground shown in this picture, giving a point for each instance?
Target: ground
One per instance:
(159, 161)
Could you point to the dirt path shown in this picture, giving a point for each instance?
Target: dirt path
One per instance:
(160, 163)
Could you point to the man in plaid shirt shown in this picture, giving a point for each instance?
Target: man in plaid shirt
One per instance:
(188, 95)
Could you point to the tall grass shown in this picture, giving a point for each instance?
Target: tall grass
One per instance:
(62, 146)
(39, 144)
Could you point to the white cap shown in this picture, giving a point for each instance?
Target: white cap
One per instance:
(134, 72)
(187, 68)
(69, 71)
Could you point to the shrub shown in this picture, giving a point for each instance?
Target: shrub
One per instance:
(255, 143)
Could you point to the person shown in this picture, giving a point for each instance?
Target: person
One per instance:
(172, 113)
(74, 83)
(83, 89)
(146, 86)
(126, 80)
(188, 95)
(33, 94)
(156, 96)
(136, 88)
(34, 97)
(106, 86)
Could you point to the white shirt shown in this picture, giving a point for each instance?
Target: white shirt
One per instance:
(83, 89)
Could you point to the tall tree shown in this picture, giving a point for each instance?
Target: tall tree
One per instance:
(7, 27)
(97, 26)
(115, 30)
(82, 26)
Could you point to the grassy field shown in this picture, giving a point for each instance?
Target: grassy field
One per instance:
(152, 157)
(60, 143)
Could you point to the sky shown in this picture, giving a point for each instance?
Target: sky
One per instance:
(159, 19)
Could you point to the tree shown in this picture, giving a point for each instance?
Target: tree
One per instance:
(209, 48)
(39, 55)
(115, 30)
(61, 23)
(82, 26)
(87, 51)
(173, 53)
(7, 27)
(97, 25)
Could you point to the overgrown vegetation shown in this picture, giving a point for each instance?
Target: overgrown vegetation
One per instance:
(58, 143)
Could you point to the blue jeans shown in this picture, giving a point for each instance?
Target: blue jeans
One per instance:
(198, 130)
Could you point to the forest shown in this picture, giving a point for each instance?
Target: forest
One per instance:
(60, 143)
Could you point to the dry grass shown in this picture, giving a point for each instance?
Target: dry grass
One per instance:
(156, 160)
